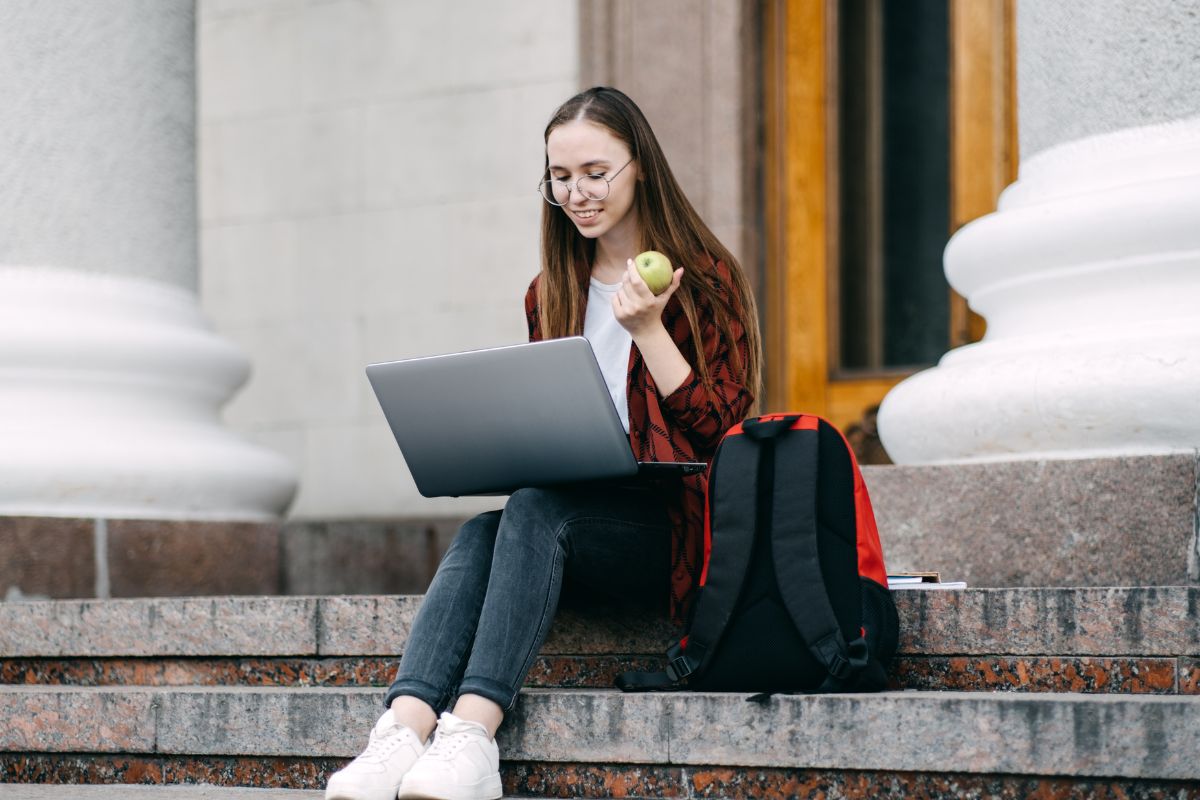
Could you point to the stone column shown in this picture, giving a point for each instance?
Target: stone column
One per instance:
(110, 379)
(1089, 272)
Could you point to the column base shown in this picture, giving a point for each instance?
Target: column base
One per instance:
(110, 390)
(1089, 278)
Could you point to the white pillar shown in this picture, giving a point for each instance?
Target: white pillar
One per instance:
(110, 379)
(1088, 274)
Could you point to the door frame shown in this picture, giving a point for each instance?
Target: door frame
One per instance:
(800, 201)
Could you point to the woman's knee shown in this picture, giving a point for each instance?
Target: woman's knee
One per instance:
(477, 533)
(535, 513)
(535, 504)
(484, 524)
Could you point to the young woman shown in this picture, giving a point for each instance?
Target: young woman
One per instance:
(682, 367)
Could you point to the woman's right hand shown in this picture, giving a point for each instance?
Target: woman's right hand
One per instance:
(636, 307)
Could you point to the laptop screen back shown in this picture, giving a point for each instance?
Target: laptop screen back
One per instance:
(493, 421)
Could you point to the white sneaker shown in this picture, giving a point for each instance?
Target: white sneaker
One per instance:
(463, 763)
(376, 773)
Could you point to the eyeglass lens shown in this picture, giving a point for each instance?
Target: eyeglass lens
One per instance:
(593, 187)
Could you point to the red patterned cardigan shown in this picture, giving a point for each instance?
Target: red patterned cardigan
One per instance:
(686, 425)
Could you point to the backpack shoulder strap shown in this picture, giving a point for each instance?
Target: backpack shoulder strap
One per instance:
(732, 499)
(797, 565)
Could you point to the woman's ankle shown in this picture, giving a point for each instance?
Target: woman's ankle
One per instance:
(414, 713)
(476, 708)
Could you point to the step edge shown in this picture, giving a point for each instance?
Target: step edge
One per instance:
(645, 721)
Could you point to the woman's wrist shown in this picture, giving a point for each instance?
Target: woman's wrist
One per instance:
(662, 357)
(653, 336)
(649, 333)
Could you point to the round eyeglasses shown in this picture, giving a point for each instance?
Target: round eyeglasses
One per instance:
(594, 187)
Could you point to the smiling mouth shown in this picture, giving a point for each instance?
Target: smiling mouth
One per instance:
(588, 214)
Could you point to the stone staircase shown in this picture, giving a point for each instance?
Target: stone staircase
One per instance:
(13, 791)
(1058, 692)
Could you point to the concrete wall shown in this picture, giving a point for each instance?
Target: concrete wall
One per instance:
(1095, 66)
(366, 193)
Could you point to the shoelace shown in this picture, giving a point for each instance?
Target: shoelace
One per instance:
(447, 745)
(381, 746)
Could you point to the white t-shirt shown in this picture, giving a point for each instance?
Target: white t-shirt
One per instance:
(610, 342)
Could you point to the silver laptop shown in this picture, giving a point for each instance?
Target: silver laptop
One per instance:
(497, 420)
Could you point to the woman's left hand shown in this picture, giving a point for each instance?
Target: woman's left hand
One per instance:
(636, 307)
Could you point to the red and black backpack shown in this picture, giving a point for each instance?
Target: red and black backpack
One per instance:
(793, 596)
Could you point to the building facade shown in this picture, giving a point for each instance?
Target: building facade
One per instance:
(276, 193)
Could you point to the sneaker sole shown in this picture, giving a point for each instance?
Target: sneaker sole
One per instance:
(488, 788)
(358, 793)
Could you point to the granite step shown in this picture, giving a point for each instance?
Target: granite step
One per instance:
(33, 791)
(1133, 640)
(1117, 521)
(27, 791)
(17, 791)
(641, 782)
(606, 743)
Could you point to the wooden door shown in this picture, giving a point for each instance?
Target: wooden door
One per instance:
(838, 304)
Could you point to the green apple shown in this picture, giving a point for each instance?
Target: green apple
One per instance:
(655, 269)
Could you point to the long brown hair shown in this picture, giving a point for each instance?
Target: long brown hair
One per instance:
(668, 224)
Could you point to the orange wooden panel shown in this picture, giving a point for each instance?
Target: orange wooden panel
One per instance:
(849, 399)
(797, 97)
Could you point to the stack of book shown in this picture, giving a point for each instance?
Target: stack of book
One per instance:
(921, 580)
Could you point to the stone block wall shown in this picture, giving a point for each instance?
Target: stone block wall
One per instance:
(367, 175)
(106, 558)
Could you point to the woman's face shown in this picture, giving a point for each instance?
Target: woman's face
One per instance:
(580, 148)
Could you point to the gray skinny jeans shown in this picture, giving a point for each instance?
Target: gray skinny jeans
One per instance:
(490, 605)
